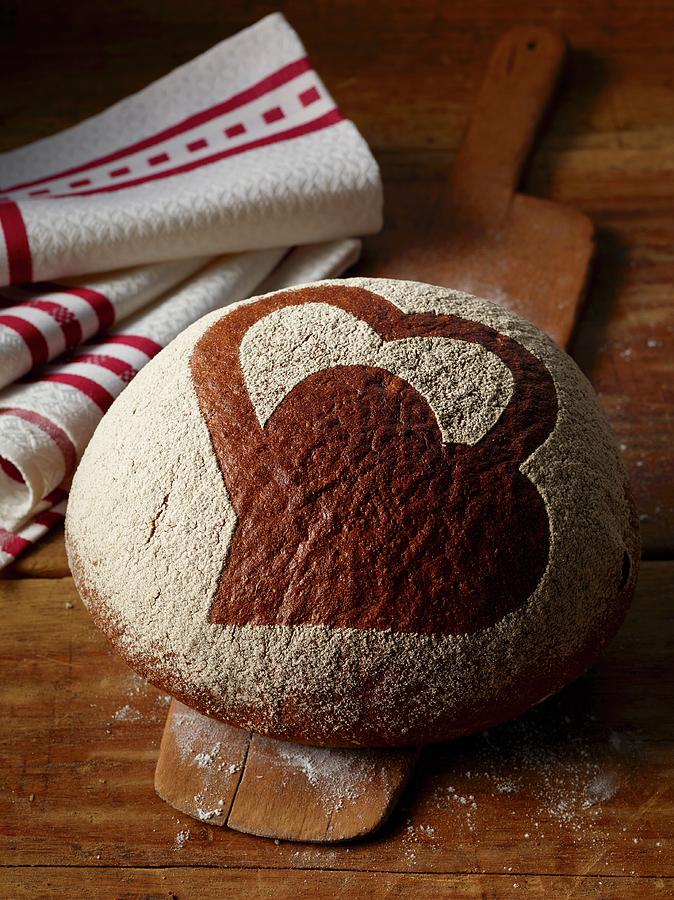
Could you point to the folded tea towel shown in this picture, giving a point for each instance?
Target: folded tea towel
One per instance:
(43, 320)
(241, 149)
(233, 175)
(45, 423)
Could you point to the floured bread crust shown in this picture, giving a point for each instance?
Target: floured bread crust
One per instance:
(361, 512)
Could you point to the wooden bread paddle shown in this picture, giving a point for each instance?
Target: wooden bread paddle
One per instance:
(528, 253)
(226, 776)
(533, 256)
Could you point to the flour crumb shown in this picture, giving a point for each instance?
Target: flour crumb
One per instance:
(602, 787)
(206, 758)
(337, 775)
(128, 714)
(181, 838)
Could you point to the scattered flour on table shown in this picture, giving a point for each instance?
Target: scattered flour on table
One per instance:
(181, 839)
(128, 714)
(555, 767)
(415, 837)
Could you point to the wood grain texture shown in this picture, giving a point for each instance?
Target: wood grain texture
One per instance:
(581, 785)
(480, 235)
(317, 794)
(176, 883)
(200, 764)
(225, 776)
(407, 72)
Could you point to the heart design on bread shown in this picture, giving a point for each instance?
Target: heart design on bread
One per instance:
(356, 513)
(373, 460)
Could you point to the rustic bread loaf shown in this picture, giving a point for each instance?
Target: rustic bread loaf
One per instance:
(358, 512)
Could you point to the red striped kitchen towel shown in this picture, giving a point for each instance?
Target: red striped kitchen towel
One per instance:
(180, 199)
(47, 420)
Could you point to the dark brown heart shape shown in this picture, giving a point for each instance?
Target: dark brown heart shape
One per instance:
(351, 510)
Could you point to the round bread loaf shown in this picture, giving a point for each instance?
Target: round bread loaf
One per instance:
(356, 513)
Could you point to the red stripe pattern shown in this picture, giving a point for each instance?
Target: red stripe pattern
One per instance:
(260, 121)
(16, 241)
(31, 336)
(120, 367)
(93, 390)
(54, 431)
(48, 518)
(65, 318)
(324, 121)
(101, 392)
(262, 87)
(105, 311)
(12, 544)
(41, 336)
(11, 470)
(145, 345)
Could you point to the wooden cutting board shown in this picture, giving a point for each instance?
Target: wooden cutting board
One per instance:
(528, 253)
(483, 238)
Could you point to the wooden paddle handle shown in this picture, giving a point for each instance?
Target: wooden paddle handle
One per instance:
(520, 77)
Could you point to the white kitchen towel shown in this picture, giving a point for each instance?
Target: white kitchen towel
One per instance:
(43, 320)
(46, 423)
(241, 149)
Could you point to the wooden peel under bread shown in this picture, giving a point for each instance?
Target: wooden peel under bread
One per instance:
(530, 254)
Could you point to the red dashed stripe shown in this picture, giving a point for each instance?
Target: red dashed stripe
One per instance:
(117, 173)
(159, 158)
(309, 96)
(330, 118)
(197, 145)
(264, 86)
(235, 130)
(273, 115)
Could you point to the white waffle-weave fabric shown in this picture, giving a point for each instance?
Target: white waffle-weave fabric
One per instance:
(233, 175)
(47, 421)
(241, 149)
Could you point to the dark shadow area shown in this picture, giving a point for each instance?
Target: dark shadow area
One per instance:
(606, 279)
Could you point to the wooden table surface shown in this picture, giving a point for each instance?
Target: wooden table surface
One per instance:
(574, 799)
